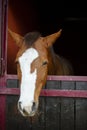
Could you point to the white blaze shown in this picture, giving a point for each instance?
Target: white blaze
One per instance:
(28, 79)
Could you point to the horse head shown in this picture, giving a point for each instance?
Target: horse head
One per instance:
(32, 67)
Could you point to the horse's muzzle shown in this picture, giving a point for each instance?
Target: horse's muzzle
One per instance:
(28, 110)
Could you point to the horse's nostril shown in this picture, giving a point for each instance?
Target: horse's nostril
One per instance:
(33, 106)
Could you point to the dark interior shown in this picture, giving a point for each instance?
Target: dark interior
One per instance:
(48, 17)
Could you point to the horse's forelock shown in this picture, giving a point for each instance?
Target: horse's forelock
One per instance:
(31, 37)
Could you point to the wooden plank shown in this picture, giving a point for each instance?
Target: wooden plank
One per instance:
(67, 108)
(81, 108)
(52, 116)
(38, 121)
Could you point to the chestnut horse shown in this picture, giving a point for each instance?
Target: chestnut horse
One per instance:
(35, 60)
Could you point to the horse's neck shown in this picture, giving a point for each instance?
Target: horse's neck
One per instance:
(55, 65)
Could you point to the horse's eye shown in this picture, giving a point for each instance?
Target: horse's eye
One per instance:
(44, 63)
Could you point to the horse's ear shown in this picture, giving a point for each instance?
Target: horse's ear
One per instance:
(16, 37)
(52, 38)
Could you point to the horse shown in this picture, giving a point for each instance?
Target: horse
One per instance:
(35, 60)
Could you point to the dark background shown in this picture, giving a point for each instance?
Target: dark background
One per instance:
(48, 17)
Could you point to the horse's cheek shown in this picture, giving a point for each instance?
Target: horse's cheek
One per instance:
(37, 91)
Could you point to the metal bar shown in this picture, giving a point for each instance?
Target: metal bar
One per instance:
(47, 92)
(3, 13)
(65, 93)
(3, 21)
(0, 35)
(53, 77)
(67, 78)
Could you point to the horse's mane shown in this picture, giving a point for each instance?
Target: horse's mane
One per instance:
(67, 66)
(31, 37)
(57, 61)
